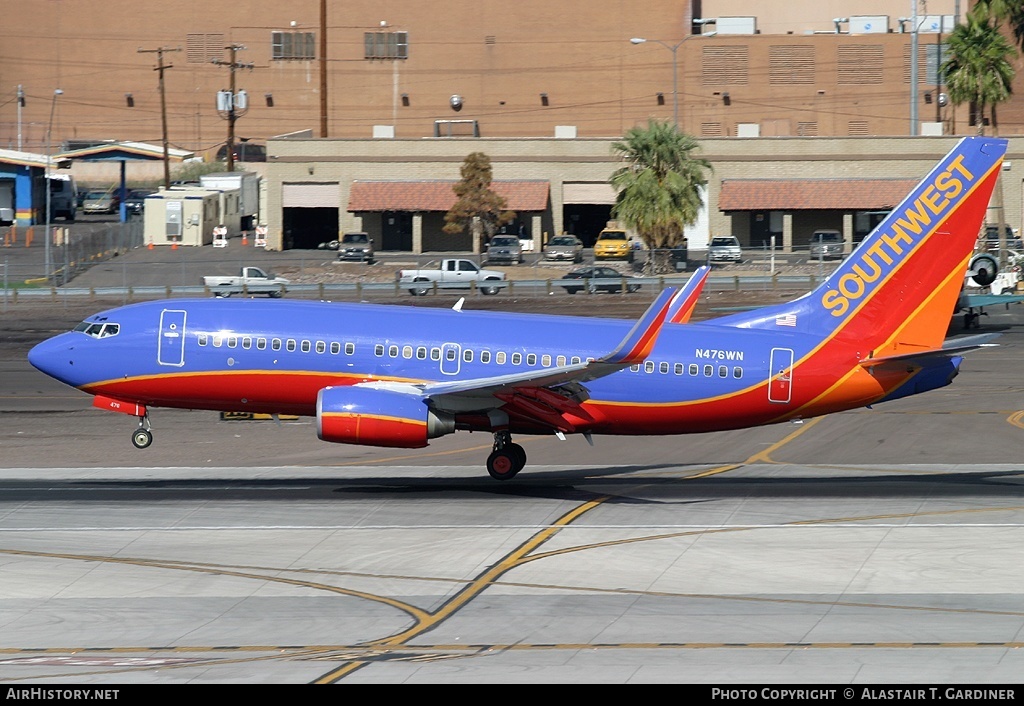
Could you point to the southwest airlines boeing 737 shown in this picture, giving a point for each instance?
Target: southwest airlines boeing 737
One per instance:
(390, 375)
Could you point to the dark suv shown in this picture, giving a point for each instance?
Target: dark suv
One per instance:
(826, 244)
(356, 247)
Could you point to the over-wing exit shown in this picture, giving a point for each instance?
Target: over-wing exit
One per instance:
(398, 376)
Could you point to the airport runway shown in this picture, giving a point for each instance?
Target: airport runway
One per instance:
(870, 547)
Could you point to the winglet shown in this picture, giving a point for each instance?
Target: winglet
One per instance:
(683, 305)
(640, 340)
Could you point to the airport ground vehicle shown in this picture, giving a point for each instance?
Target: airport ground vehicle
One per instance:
(725, 248)
(613, 244)
(249, 280)
(449, 273)
(826, 244)
(598, 279)
(356, 247)
(505, 248)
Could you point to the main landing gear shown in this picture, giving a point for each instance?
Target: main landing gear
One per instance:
(142, 437)
(507, 459)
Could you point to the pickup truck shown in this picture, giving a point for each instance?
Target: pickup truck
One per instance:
(250, 280)
(450, 273)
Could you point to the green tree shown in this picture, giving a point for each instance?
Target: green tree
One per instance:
(978, 66)
(477, 203)
(659, 188)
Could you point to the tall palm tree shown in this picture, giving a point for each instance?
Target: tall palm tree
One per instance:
(659, 188)
(978, 66)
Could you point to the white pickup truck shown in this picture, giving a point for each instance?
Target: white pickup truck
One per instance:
(450, 273)
(250, 280)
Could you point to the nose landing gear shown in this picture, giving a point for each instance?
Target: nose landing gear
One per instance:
(142, 437)
(507, 459)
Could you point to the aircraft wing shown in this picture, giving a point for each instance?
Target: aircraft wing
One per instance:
(968, 301)
(562, 385)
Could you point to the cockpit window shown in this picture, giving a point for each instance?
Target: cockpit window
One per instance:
(98, 330)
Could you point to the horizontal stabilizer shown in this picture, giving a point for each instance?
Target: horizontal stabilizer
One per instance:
(951, 348)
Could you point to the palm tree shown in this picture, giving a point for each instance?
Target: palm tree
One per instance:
(659, 189)
(977, 68)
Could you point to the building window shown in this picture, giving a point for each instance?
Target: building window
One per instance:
(386, 45)
(292, 45)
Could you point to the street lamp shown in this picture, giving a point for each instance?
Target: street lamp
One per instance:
(46, 185)
(674, 48)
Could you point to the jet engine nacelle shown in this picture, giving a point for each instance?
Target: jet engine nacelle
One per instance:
(376, 417)
(983, 269)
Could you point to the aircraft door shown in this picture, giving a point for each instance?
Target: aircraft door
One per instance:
(171, 345)
(450, 354)
(780, 376)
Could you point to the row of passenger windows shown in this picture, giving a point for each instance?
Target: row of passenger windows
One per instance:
(276, 344)
(450, 354)
(692, 369)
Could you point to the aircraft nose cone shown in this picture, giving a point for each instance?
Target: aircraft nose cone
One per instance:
(53, 357)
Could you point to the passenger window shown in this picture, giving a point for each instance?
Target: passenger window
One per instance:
(407, 351)
(663, 367)
(545, 361)
(709, 370)
(321, 347)
(306, 346)
(678, 369)
(485, 356)
(421, 352)
(723, 371)
(467, 355)
(290, 345)
(393, 351)
(649, 366)
(517, 359)
(335, 348)
(276, 344)
(261, 344)
(350, 348)
(246, 342)
(737, 372)
(693, 369)
(499, 357)
(450, 354)
(576, 360)
(232, 341)
(531, 359)
(560, 361)
(435, 354)
(217, 341)
(201, 339)
(635, 367)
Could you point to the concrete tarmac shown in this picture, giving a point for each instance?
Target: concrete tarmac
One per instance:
(877, 546)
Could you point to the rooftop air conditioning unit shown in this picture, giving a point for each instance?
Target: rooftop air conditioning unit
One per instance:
(869, 24)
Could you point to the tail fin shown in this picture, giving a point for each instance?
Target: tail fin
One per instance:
(898, 289)
(685, 302)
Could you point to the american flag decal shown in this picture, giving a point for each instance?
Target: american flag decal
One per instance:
(786, 320)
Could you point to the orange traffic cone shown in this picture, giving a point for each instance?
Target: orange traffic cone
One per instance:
(245, 237)
(150, 245)
(174, 246)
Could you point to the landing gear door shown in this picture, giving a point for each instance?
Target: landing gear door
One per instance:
(780, 382)
(171, 346)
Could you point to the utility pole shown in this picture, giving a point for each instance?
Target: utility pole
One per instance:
(232, 103)
(323, 68)
(21, 104)
(163, 106)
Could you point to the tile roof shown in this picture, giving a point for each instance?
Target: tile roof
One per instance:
(438, 195)
(803, 194)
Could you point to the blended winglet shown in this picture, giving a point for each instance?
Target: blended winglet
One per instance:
(637, 345)
(685, 302)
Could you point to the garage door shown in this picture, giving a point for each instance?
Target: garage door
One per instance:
(588, 192)
(311, 196)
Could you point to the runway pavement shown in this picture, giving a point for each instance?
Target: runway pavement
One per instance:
(870, 547)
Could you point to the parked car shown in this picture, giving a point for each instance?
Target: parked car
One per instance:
(725, 248)
(598, 279)
(826, 244)
(135, 203)
(505, 248)
(243, 152)
(356, 247)
(613, 244)
(102, 201)
(564, 247)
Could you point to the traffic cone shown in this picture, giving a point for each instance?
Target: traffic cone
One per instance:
(150, 246)
(245, 237)
(174, 246)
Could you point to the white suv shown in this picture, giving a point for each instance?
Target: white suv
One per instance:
(725, 248)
